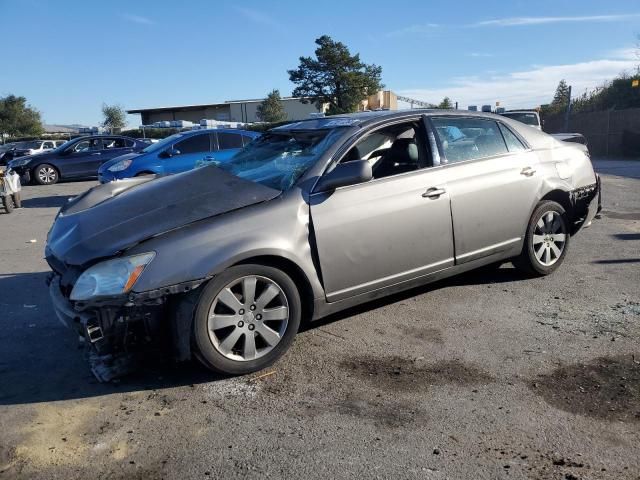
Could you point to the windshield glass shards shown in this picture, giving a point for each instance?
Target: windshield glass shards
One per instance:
(278, 158)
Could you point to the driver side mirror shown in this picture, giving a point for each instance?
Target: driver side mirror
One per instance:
(171, 152)
(344, 174)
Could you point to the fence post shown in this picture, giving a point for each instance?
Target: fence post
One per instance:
(608, 127)
(567, 112)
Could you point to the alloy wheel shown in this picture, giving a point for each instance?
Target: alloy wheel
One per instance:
(549, 238)
(248, 318)
(47, 175)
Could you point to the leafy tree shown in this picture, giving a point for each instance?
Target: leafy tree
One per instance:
(271, 110)
(17, 118)
(115, 117)
(445, 104)
(335, 77)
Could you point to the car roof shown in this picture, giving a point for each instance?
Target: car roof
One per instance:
(223, 130)
(367, 118)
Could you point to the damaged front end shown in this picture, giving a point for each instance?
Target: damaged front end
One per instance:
(91, 250)
(117, 330)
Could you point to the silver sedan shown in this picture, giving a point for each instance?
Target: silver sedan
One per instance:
(312, 218)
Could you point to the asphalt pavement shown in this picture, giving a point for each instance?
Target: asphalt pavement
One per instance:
(489, 375)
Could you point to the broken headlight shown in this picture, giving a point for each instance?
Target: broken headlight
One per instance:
(113, 277)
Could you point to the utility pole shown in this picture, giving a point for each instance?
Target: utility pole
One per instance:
(567, 112)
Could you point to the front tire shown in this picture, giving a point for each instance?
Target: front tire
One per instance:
(546, 241)
(246, 318)
(7, 203)
(45, 174)
(17, 200)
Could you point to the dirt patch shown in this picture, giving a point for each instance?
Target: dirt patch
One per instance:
(396, 414)
(607, 388)
(622, 215)
(396, 373)
(431, 335)
(7, 457)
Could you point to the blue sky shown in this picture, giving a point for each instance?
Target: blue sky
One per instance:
(69, 57)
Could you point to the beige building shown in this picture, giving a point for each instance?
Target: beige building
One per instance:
(245, 111)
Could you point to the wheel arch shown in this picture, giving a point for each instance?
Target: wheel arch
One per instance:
(561, 197)
(296, 273)
(52, 165)
(182, 306)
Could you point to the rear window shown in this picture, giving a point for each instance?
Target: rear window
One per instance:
(526, 118)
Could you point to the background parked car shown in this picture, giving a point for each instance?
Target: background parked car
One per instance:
(178, 153)
(77, 158)
(6, 152)
(34, 147)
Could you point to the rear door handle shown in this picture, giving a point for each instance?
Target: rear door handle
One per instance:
(434, 192)
(97, 153)
(527, 171)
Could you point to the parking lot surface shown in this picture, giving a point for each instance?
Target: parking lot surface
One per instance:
(488, 375)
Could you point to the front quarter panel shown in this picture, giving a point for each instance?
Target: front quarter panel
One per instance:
(279, 227)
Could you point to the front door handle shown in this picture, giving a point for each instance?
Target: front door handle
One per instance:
(527, 171)
(434, 192)
(97, 153)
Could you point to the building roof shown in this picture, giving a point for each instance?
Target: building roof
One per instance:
(203, 105)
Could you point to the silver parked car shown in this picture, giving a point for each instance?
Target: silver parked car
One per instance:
(312, 218)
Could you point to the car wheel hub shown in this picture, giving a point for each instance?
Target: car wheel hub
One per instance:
(248, 318)
(549, 238)
(47, 175)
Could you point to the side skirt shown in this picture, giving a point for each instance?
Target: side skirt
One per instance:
(322, 308)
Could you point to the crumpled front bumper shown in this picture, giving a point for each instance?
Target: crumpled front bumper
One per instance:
(113, 330)
(64, 309)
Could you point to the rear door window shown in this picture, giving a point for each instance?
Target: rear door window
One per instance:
(194, 144)
(246, 139)
(111, 143)
(466, 138)
(229, 140)
(513, 143)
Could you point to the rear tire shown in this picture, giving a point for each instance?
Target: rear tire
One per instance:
(45, 174)
(7, 203)
(546, 241)
(246, 319)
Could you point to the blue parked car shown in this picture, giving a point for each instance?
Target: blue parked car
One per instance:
(178, 153)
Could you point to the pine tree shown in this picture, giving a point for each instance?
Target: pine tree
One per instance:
(271, 110)
(561, 97)
(445, 104)
(335, 77)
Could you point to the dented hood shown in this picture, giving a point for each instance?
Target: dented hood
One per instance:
(112, 217)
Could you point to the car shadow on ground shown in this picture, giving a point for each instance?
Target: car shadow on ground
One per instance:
(40, 358)
(46, 202)
(491, 274)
